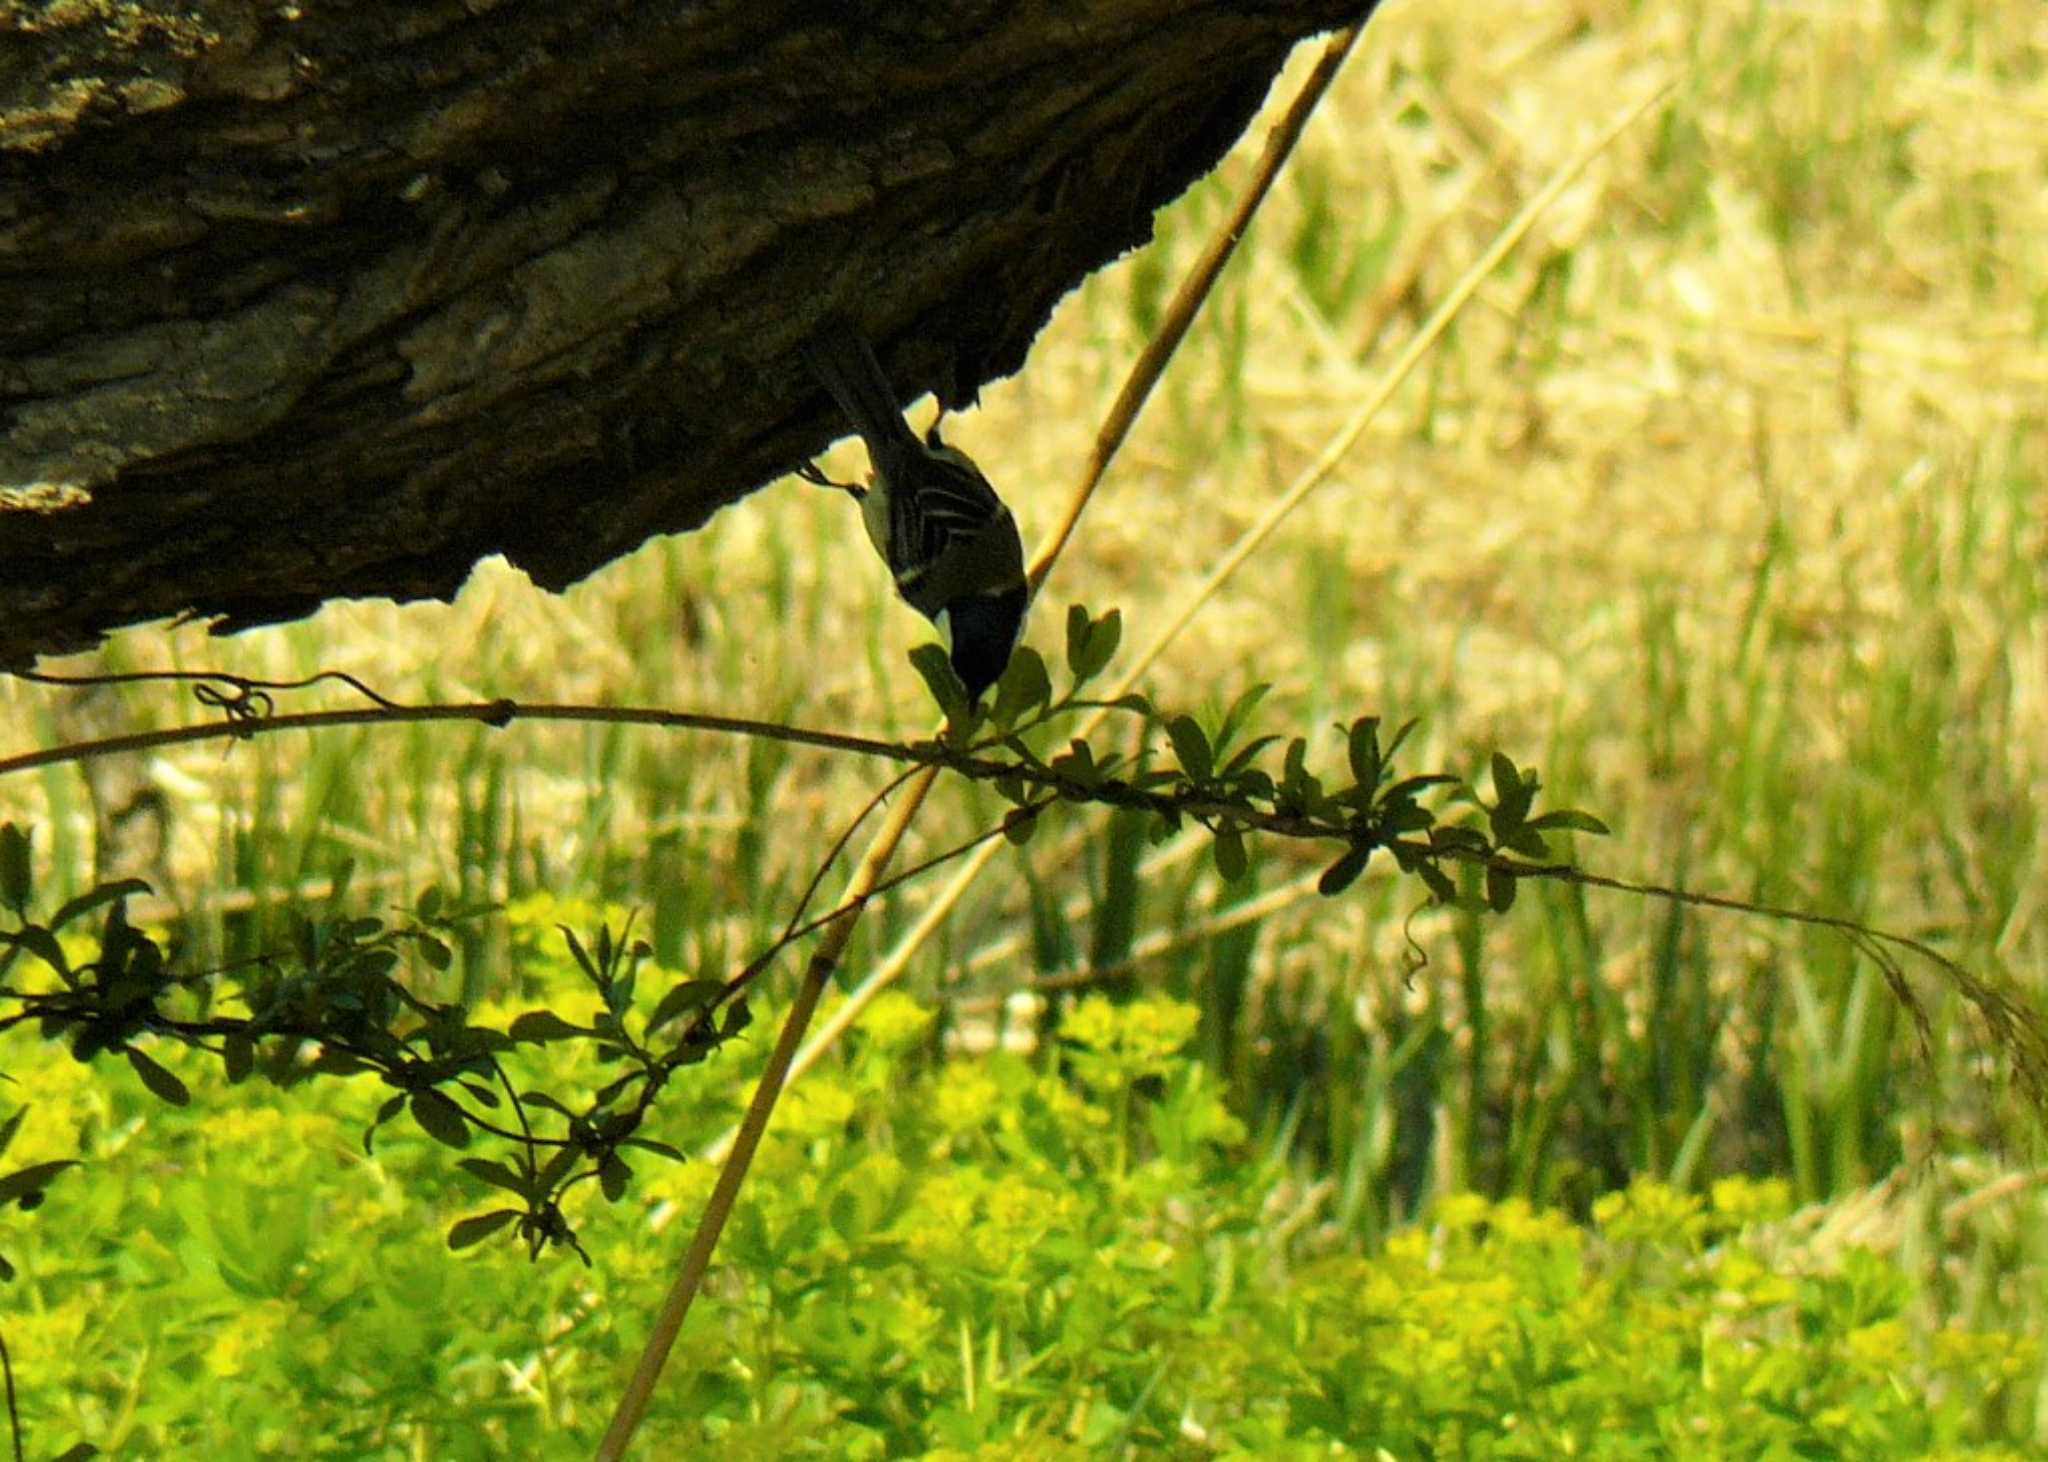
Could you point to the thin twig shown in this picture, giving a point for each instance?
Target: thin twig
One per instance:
(697, 1258)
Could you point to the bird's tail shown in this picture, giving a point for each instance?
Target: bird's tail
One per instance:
(843, 361)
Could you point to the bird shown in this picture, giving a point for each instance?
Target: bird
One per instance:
(949, 541)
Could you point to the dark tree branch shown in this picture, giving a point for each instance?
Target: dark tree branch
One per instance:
(310, 300)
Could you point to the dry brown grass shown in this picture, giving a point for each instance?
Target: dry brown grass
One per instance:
(1805, 305)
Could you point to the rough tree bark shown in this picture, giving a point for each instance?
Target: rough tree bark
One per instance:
(302, 299)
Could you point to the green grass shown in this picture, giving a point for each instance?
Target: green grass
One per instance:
(1723, 504)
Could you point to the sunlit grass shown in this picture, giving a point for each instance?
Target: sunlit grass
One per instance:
(1723, 505)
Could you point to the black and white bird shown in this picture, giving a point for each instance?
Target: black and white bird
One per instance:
(950, 543)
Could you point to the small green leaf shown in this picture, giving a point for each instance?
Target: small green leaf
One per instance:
(1077, 764)
(93, 898)
(1024, 688)
(1441, 889)
(162, 1084)
(738, 1016)
(41, 943)
(1341, 874)
(584, 962)
(1362, 742)
(1576, 821)
(238, 1056)
(543, 1025)
(441, 1118)
(338, 881)
(1019, 823)
(931, 661)
(385, 1113)
(1102, 639)
(497, 1174)
(1191, 747)
(434, 952)
(687, 997)
(649, 1144)
(1505, 778)
(16, 880)
(1242, 757)
(11, 1126)
(27, 1182)
(77, 1452)
(475, 1230)
(1500, 889)
(1229, 851)
(427, 907)
(1240, 712)
(1077, 640)
(612, 1176)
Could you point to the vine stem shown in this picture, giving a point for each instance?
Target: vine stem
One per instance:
(675, 1307)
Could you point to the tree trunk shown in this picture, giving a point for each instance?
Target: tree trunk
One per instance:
(304, 299)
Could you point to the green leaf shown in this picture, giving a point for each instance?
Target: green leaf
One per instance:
(30, 1181)
(1104, 640)
(1500, 889)
(686, 997)
(238, 1056)
(1516, 791)
(1229, 851)
(1242, 757)
(17, 882)
(434, 952)
(44, 944)
(1341, 874)
(612, 1176)
(427, 907)
(338, 881)
(1077, 640)
(93, 898)
(475, 1230)
(1077, 764)
(544, 1025)
(385, 1113)
(1191, 747)
(77, 1452)
(1019, 823)
(163, 1084)
(11, 1126)
(931, 661)
(497, 1174)
(1024, 688)
(1414, 786)
(441, 1118)
(1441, 889)
(1576, 821)
(590, 968)
(1362, 742)
(649, 1144)
(1240, 711)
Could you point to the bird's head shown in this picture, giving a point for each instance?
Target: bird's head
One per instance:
(981, 630)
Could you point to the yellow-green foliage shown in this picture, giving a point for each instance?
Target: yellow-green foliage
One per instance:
(996, 1257)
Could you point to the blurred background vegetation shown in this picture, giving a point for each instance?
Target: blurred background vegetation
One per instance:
(1722, 504)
